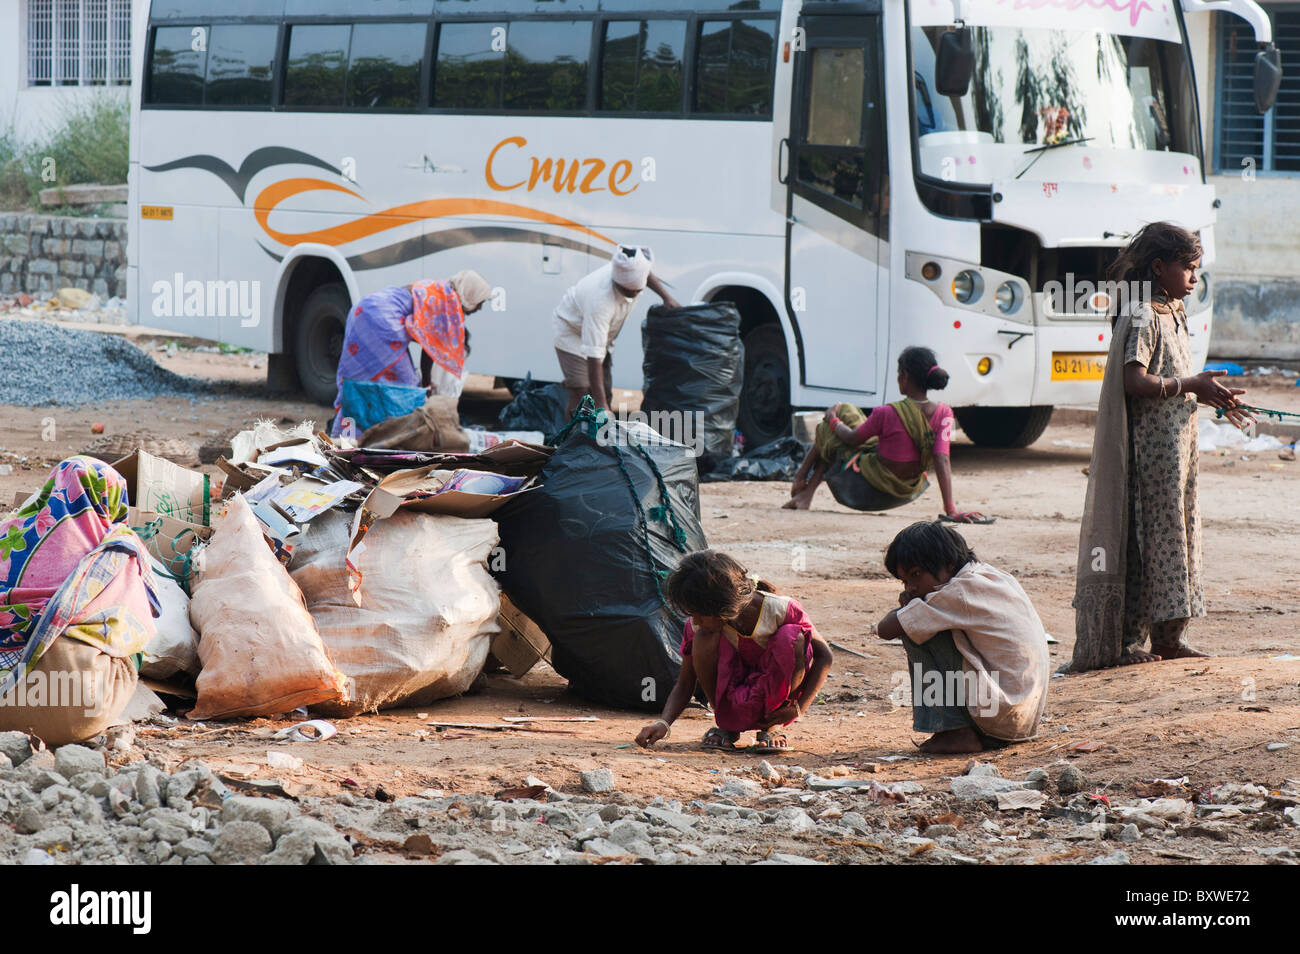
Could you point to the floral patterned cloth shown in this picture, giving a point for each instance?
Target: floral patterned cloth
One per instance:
(1163, 559)
(69, 565)
(437, 323)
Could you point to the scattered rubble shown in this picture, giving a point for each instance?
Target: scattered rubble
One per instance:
(77, 805)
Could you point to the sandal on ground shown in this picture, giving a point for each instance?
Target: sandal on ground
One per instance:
(717, 738)
(981, 519)
(769, 741)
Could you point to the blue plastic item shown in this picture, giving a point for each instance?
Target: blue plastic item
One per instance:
(1233, 369)
(368, 403)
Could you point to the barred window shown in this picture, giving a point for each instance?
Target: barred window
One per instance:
(1243, 138)
(78, 42)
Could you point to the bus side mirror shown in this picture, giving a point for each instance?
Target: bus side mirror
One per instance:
(1268, 77)
(955, 62)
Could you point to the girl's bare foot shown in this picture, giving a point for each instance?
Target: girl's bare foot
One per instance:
(953, 742)
(1132, 657)
(1178, 652)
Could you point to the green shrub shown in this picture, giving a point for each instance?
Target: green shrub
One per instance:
(89, 141)
(13, 177)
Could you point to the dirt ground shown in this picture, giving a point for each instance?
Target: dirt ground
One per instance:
(1209, 720)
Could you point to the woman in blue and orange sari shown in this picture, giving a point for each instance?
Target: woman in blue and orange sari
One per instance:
(382, 325)
(77, 606)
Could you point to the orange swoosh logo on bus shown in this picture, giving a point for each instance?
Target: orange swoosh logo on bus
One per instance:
(377, 222)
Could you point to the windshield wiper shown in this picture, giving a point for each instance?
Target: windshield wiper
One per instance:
(1051, 145)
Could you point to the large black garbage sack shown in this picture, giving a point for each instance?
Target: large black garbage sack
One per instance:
(777, 460)
(536, 407)
(618, 506)
(694, 361)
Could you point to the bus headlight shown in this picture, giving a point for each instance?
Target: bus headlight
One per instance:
(1008, 297)
(1203, 287)
(967, 287)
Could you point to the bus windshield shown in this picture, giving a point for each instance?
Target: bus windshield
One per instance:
(1035, 86)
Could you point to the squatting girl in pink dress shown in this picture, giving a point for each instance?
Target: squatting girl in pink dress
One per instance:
(755, 654)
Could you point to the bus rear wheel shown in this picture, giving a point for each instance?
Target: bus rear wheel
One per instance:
(318, 341)
(1003, 426)
(765, 397)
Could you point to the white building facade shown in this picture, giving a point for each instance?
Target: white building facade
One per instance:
(1253, 161)
(55, 51)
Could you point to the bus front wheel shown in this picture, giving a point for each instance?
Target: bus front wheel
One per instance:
(765, 396)
(318, 341)
(1003, 426)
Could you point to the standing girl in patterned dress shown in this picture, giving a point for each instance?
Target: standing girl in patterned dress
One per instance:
(1139, 573)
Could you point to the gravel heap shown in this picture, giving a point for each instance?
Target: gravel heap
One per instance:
(49, 364)
(73, 807)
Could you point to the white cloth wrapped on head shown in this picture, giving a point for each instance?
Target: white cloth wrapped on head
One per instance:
(631, 265)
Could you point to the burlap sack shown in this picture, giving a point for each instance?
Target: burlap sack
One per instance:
(436, 426)
(260, 650)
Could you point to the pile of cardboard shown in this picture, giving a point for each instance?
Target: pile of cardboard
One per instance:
(290, 477)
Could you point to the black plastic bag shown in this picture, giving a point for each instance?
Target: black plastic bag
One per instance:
(585, 554)
(694, 361)
(777, 460)
(536, 407)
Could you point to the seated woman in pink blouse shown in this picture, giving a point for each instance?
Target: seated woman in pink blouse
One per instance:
(878, 461)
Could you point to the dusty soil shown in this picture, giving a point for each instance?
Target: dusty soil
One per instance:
(1209, 720)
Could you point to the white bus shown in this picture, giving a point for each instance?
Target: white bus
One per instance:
(857, 177)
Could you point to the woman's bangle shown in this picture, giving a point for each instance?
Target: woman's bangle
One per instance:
(668, 730)
(1162, 385)
(1179, 382)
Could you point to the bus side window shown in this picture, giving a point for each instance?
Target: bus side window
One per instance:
(317, 71)
(641, 66)
(734, 67)
(534, 65)
(831, 149)
(241, 63)
(176, 68)
(546, 65)
(471, 60)
(840, 156)
(384, 65)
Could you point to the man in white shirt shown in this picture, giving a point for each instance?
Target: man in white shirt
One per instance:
(590, 316)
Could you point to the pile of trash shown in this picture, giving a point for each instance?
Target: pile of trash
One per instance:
(317, 575)
(309, 573)
(1224, 436)
(585, 553)
(68, 304)
(778, 460)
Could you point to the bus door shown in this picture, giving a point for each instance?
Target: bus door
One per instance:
(836, 261)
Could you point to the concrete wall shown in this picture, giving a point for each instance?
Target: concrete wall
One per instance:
(43, 253)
